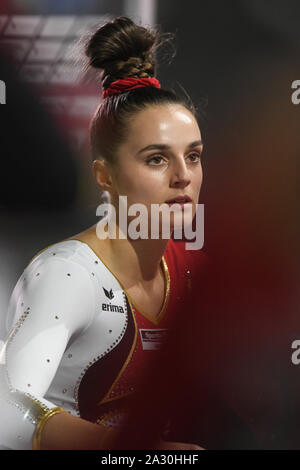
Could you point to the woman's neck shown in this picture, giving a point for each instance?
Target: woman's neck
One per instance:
(135, 262)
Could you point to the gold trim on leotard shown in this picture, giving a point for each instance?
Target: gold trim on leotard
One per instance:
(106, 400)
(37, 436)
(165, 269)
(133, 306)
(156, 320)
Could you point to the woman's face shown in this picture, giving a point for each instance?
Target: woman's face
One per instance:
(160, 159)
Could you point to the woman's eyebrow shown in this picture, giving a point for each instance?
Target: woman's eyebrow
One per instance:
(167, 147)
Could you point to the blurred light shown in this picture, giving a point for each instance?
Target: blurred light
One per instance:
(143, 11)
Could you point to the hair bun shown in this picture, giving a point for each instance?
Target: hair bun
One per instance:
(122, 49)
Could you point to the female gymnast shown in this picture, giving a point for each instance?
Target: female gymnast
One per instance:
(88, 312)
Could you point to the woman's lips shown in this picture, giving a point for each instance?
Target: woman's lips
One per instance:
(179, 200)
(176, 202)
(184, 201)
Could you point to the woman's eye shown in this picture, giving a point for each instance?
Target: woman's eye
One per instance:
(195, 157)
(154, 161)
(158, 159)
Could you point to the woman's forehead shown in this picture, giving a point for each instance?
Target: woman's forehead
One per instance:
(163, 124)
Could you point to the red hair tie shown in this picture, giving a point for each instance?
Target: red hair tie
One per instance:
(125, 84)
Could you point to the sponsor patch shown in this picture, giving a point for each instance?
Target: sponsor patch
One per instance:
(152, 339)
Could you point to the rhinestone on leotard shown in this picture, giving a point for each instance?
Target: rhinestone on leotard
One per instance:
(95, 359)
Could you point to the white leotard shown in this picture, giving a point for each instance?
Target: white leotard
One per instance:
(55, 311)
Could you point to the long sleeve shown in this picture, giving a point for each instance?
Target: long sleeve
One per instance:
(52, 303)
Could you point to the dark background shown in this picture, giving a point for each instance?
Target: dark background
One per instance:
(236, 60)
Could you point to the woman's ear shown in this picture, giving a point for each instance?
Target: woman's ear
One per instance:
(102, 174)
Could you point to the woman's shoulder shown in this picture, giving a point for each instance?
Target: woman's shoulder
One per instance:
(57, 278)
(63, 248)
(66, 252)
(50, 267)
(66, 259)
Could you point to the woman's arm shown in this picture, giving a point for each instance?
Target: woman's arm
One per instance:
(66, 432)
(53, 300)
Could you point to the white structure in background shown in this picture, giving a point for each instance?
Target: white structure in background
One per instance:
(41, 44)
(143, 11)
(43, 47)
(2, 92)
(2, 361)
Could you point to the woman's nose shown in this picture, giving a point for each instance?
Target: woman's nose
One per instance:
(180, 174)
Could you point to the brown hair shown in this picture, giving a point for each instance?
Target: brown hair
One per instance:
(121, 48)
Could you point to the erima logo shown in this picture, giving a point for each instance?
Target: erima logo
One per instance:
(110, 307)
(109, 294)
